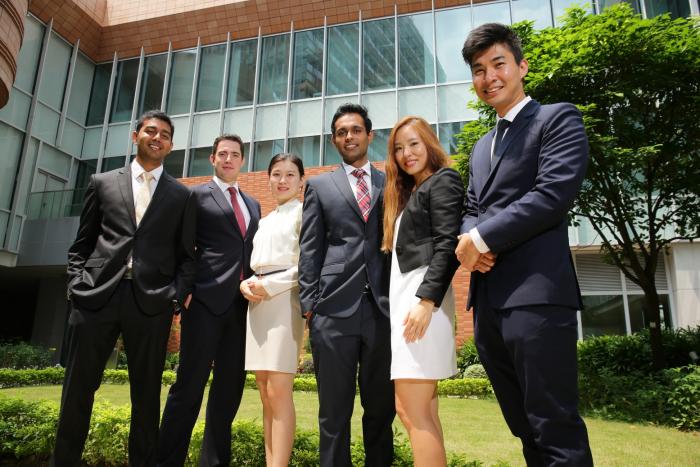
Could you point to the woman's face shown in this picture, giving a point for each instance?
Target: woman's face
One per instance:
(411, 154)
(285, 181)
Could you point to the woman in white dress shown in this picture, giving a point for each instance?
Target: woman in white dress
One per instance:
(275, 327)
(422, 215)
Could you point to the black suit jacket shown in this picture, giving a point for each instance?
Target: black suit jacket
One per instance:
(428, 232)
(340, 252)
(221, 249)
(162, 245)
(520, 206)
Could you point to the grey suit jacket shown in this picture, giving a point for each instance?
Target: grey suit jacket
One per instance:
(340, 252)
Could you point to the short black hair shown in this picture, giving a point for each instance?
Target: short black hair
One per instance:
(286, 156)
(227, 137)
(350, 108)
(486, 35)
(155, 114)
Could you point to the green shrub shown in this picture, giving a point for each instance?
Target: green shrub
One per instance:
(684, 398)
(306, 366)
(471, 387)
(23, 355)
(172, 360)
(30, 377)
(467, 355)
(27, 429)
(475, 371)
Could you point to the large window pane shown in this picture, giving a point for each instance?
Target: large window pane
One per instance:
(55, 161)
(378, 55)
(16, 111)
(152, 81)
(180, 84)
(637, 305)
(381, 108)
(211, 76)
(419, 102)
(11, 143)
(124, 89)
(447, 132)
(342, 59)
(82, 80)
(331, 106)
(677, 8)
(72, 140)
(241, 74)
(28, 58)
(305, 118)
(111, 163)
(118, 138)
(330, 153)
(602, 314)
(416, 65)
(205, 129)
(274, 67)
(377, 149)
(451, 30)
(452, 102)
(200, 166)
(239, 122)
(532, 10)
(174, 163)
(91, 143)
(264, 151)
(308, 64)
(98, 95)
(57, 62)
(270, 122)
(45, 123)
(308, 148)
(490, 13)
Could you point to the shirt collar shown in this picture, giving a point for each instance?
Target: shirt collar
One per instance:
(512, 113)
(349, 168)
(137, 170)
(223, 185)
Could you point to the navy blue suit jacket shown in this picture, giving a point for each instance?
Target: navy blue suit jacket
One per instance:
(520, 206)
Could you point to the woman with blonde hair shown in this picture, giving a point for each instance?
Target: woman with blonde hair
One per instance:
(422, 216)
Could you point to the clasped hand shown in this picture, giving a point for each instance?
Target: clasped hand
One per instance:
(470, 257)
(253, 290)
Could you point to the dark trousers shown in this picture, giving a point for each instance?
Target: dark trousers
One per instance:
(338, 346)
(91, 339)
(529, 354)
(206, 340)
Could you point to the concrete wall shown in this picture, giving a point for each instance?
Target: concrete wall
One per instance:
(684, 268)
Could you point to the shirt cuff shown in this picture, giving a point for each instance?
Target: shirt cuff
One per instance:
(478, 241)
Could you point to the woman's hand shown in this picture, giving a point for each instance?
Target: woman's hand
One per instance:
(258, 290)
(417, 320)
(251, 290)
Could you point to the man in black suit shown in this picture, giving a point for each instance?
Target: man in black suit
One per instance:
(344, 294)
(130, 267)
(524, 177)
(213, 326)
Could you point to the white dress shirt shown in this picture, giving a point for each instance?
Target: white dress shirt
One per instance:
(510, 116)
(136, 181)
(353, 180)
(224, 189)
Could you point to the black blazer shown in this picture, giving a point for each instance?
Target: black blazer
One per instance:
(428, 232)
(162, 245)
(340, 253)
(221, 249)
(520, 201)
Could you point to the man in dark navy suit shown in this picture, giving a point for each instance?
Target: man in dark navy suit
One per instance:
(213, 325)
(524, 176)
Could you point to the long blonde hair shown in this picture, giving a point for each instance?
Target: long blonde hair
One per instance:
(399, 184)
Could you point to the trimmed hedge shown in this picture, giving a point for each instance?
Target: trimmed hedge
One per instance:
(21, 355)
(28, 433)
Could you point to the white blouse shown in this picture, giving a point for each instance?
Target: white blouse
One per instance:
(276, 246)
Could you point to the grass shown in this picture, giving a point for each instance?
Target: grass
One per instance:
(472, 427)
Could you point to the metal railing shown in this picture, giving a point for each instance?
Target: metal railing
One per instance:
(55, 204)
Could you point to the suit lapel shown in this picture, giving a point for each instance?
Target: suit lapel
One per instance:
(254, 218)
(482, 162)
(124, 180)
(225, 206)
(377, 185)
(340, 178)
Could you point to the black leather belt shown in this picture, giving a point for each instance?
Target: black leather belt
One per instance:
(263, 274)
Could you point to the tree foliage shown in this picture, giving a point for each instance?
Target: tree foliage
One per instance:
(637, 83)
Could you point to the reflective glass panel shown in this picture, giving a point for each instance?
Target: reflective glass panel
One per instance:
(490, 13)
(451, 29)
(211, 77)
(118, 139)
(45, 123)
(270, 122)
(57, 61)
(72, 140)
(416, 64)
(55, 161)
(200, 165)
(377, 148)
(382, 108)
(241, 74)
(174, 162)
(11, 143)
(447, 132)
(28, 58)
(532, 10)
(91, 143)
(308, 64)
(274, 67)
(305, 118)
(152, 82)
(264, 151)
(602, 314)
(98, 95)
(239, 122)
(124, 89)
(331, 106)
(452, 102)
(378, 59)
(181, 125)
(180, 83)
(603, 4)
(82, 80)
(16, 111)
(419, 102)
(677, 8)
(342, 59)
(111, 163)
(637, 305)
(205, 129)
(330, 153)
(308, 148)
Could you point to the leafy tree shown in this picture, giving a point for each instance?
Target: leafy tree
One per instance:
(637, 83)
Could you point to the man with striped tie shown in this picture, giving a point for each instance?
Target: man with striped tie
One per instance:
(343, 280)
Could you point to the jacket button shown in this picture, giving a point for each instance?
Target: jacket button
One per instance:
(482, 210)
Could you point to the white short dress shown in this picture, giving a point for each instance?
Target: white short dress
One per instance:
(433, 356)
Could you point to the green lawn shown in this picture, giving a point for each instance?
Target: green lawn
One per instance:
(472, 427)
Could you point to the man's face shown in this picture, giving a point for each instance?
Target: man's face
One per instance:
(497, 78)
(153, 141)
(351, 139)
(227, 160)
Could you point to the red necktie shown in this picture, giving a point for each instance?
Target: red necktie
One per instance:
(362, 193)
(239, 217)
